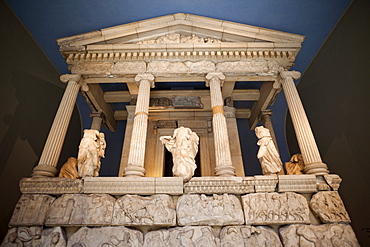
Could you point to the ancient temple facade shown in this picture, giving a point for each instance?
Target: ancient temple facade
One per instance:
(296, 204)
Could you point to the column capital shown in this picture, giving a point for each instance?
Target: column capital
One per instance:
(264, 113)
(70, 77)
(294, 74)
(215, 75)
(145, 76)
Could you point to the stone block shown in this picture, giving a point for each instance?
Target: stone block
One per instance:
(23, 236)
(318, 235)
(169, 185)
(31, 210)
(333, 180)
(249, 236)
(275, 208)
(51, 186)
(120, 185)
(216, 210)
(329, 207)
(183, 236)
(220, 185)
(297, 183)
(81, 210)
(106, 236)
(265, 183)
(128, 68)
(133, 210)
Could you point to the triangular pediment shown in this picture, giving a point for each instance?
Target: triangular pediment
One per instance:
(155, 35)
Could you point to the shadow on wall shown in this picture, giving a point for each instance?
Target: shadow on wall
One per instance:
(27, 112)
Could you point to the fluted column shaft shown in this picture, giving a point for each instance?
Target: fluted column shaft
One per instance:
(54, 143)
(306, 140)
(135, 166)
(224, 165)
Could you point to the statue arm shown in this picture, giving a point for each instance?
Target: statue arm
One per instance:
(168, 142)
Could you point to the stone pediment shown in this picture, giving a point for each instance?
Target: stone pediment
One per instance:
(181, 33)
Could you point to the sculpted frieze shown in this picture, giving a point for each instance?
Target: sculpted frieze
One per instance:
(216, 210)
(23, 236)
(183, 236)
(329, 207)
(259, 236)
(177, 38)
(31, 210)
(275, 208)
(261, 67)
(318, 235)
(95, 68)
(52, 185)
(167, 68)
(128, 68)
(81, 209)
(106, 236)
(156, 210)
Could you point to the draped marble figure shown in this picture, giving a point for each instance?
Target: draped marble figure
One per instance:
(184, 147)
(267, 154)
(91, 149)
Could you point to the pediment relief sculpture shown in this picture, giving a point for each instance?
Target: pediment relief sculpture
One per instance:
(178, 38)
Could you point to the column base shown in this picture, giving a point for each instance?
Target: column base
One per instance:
(316, 168)
(134, 171)
(225, 171)
(44, 171)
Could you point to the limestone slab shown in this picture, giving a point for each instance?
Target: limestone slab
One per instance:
(133, 210)
(297, 183)
(23, 236)
(216, 210)
(275, 208)
(169, 185)
(128, 68)
(265, 183)
(31, 210)
(50, 185)
(183, 236)
(120, 185)
(318, 235)
(106, 236)
(259, 236)
(333, 180)
(80, 210)
(329, 207)
(220, 185)
(93, 68)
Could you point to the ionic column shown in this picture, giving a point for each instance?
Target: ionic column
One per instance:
(305, 138)
(224, 165)
(54, 143)
(97, 119)
(135, 166)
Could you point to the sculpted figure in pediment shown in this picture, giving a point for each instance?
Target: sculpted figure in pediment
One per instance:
(184, 147)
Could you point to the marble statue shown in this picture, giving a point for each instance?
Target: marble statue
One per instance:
(91, 149)
(184, 147)
(69, 169)
(267, 154)
(295, 165)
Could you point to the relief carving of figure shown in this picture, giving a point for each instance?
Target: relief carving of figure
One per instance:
(267, 154)
(91, 149)
(184, 147)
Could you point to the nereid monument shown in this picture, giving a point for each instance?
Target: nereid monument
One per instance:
(207, 200)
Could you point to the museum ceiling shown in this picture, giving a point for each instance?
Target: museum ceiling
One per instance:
(48, 21)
